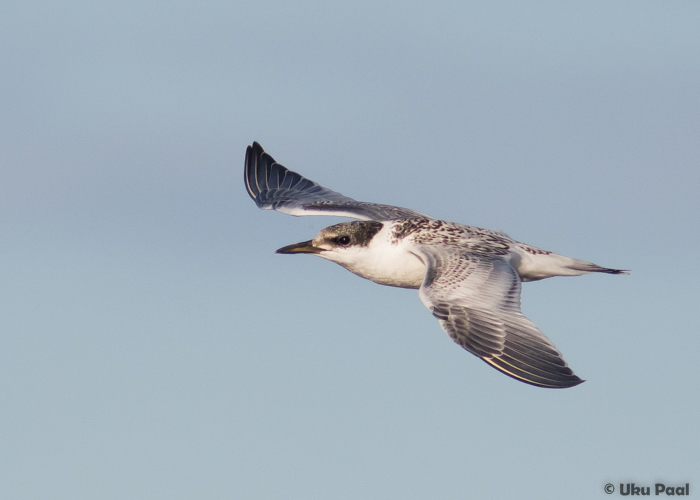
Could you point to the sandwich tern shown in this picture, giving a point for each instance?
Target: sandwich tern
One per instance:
(469, 278)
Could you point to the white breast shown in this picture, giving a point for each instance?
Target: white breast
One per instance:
(386, 263)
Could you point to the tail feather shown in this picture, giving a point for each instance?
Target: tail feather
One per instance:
(535, 264)
(589, 267)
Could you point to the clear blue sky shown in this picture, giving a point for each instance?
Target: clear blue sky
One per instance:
(153, 346)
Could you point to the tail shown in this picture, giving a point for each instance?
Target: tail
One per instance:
(588, 267)
(535, 264)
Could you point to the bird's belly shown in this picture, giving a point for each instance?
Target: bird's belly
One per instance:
(400, 269)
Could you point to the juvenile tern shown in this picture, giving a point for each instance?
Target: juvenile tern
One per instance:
(469, 278)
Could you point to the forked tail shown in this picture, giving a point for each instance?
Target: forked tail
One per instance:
(535, 264)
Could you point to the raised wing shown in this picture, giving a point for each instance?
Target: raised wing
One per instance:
(274, 187)
(477, 301)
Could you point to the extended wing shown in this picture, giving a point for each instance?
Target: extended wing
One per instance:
(477, 301)
(274, 187)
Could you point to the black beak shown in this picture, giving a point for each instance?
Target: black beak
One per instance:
(303, 247)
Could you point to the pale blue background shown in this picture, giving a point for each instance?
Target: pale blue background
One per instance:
(153, 346)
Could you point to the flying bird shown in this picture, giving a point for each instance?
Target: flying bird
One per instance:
(468, 277)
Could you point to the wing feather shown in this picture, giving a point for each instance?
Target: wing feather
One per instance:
(274, 187)
(480, 310)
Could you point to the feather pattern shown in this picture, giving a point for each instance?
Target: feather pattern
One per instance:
(476, 299)
(274, 187)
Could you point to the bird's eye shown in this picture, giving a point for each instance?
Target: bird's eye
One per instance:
(343, 240)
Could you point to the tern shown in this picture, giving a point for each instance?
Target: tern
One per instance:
(469, 278)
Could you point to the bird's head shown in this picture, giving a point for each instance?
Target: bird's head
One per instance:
(341, 243)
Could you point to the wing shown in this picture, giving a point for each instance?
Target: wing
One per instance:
(274, 187)
(477, 301)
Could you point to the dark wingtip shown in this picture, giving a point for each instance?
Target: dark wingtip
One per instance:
(550, 380)
(252, 157)
(570, 382)
(257, 169)
(257, 149)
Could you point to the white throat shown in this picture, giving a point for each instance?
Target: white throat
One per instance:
(381, 261)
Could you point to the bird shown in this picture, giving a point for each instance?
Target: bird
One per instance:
(469, 278)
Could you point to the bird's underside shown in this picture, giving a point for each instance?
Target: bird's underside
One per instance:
(469, 278)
